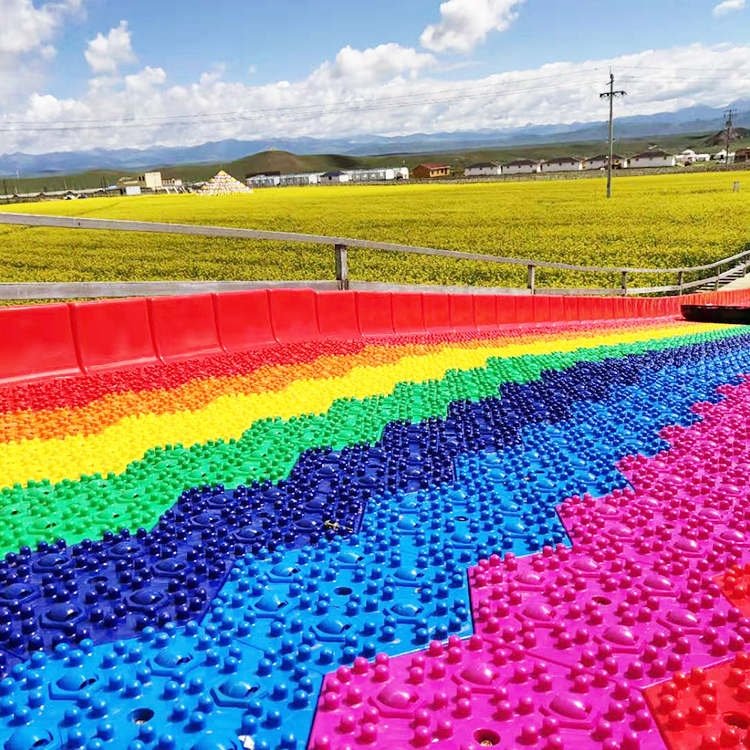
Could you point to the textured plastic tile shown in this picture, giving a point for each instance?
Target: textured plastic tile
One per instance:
(635, 600)
(144, 582)
(735, 585)
(472, 694)
(705, 709)
(312, 593)
(113, 588)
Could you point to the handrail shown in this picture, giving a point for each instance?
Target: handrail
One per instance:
(341, 244)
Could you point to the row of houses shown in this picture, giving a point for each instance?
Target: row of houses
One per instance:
(648, 159)
(333, 176)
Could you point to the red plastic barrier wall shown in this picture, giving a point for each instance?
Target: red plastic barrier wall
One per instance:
(115, 334)
(506, 309)
(184, 326)
(408, 313)
(244, 320)
(41, 341)
(375, 313)
(540, 306)
(524, 310)
(437, 312)
(462, 311)
(293, 315)
(485, 311)
(337, 315)
(36, 341)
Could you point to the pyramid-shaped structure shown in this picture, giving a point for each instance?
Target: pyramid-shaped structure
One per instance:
(224, 184)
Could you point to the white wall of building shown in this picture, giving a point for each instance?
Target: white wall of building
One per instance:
(483, 171)
(565, 166)
(335, 179)
(595, 164)
(152, 180)
(652, 161)
(520, 168)
(263, 180)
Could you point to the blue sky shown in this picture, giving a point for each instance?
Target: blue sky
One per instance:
(354, 66)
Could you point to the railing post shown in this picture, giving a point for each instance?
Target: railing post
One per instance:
(680, 280)
(342, 266)
(531, 277)
(624, 283)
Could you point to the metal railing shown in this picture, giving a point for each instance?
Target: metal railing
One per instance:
(340, 245)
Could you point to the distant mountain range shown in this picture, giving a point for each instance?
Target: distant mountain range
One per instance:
(690, 120)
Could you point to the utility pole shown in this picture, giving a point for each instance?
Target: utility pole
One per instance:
(728, 127)
(611, 94)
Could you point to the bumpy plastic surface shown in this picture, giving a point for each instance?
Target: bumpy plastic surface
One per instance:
(476, 537)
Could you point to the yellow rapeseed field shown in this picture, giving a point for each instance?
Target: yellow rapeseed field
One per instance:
(660, 220)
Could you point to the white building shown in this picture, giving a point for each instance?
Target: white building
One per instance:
(722, 156)
(521, 166)
(653, 158)
(335, 177)
(688, 156)
(483, 169)
(151, 180)
(601, 160)
(378, 174)
(301, 178)
(562, 164)
(263, 180)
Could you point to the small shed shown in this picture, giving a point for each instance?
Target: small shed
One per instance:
(429, 171)
(483, 169)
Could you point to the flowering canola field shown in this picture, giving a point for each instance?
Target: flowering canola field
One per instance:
(660, 220)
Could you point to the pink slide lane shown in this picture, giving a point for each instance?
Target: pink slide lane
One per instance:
(567, 640)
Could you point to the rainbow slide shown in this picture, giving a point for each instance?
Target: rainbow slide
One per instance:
(350, 520)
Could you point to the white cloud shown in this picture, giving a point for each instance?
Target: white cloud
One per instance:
(381, 63)
(465, 23)
(728, 6)
(396, 92)
(145, 79)
(105, 54)
(25, 34)
(26, 28)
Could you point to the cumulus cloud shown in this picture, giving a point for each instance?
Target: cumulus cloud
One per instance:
(26, 27)
(105, 54)
(145, 79)
(381, 63)
(26, 32)
(398, 97)
(728, 6)
(465, 23)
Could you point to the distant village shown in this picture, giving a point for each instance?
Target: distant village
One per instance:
(436, 170)
(153, 182)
